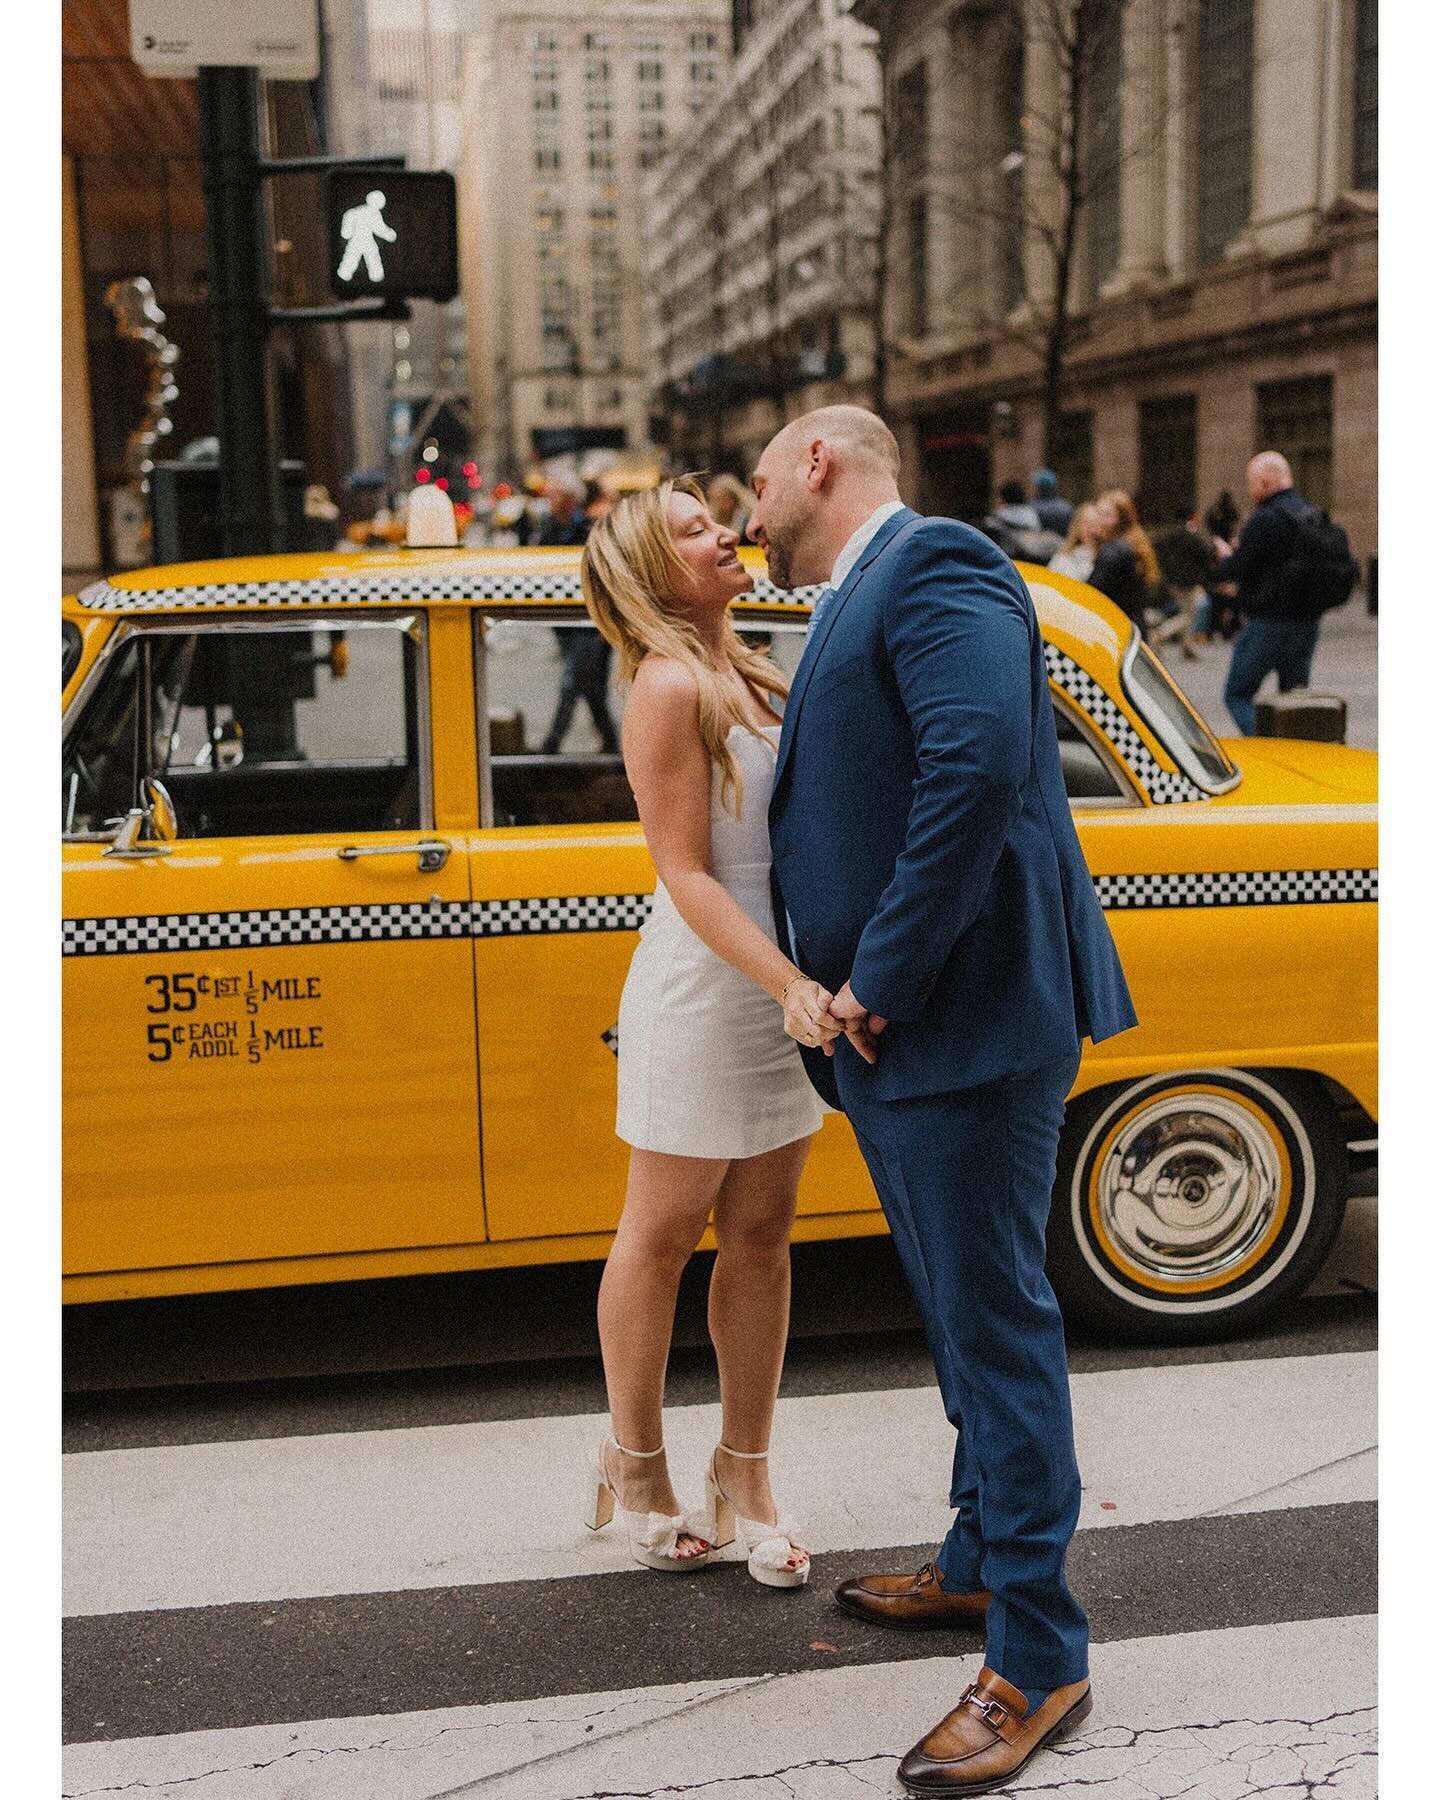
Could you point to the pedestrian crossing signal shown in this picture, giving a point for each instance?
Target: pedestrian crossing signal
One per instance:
(392, 234)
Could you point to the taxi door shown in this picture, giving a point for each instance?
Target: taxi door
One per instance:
(562, 883)
(269, 1034)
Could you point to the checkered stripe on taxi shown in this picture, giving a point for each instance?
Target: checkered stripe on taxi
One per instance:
(147, 933)
(390, 588)
(1163, 785)
(552, 915)
(570, 912)
(1260, 887)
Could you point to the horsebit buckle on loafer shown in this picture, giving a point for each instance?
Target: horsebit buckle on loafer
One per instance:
(991, 1711)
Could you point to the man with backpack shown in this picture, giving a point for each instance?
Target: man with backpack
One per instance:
(1290, 566)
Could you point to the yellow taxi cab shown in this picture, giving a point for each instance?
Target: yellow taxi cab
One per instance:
(350, 895)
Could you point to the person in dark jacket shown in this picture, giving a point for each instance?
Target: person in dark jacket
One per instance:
(584, 654)
(1055, 512)
(1125, 567)
(1274, 635)
(1187, 557)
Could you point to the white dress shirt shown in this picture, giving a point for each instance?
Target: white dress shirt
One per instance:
(859, 538)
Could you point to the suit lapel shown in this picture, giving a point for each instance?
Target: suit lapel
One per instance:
(821, 634)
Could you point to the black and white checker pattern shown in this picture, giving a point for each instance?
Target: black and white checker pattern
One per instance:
(1241, 887)
(147, 934)
(391, 587)
(1163, 785)
(560, 913)
(388, 588)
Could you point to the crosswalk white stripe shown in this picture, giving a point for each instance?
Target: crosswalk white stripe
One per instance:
(371, 1511)
(1255, 1709)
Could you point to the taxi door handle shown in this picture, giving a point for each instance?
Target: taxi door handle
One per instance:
(434, 853)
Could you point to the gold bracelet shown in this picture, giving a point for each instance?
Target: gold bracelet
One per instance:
(785, 991)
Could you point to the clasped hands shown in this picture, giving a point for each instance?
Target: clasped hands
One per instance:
(816, 1017)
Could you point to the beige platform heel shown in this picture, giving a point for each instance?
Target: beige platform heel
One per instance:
(654, 1537)
(772, 1549)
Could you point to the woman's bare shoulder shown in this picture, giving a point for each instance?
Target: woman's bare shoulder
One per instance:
(665, 689)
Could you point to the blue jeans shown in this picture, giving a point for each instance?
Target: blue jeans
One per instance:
(1284, 645)
(965, 1181)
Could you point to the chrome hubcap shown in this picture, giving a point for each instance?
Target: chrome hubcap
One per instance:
(1190, 1187)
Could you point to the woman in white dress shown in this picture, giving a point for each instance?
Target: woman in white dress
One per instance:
(713, 1098)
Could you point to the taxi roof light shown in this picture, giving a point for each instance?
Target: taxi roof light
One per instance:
(430, 521)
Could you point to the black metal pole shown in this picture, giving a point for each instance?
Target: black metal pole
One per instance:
(235, 236)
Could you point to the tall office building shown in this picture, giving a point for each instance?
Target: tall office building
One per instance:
(564, 105)
(762, 223)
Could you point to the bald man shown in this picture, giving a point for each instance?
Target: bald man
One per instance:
(1280, 632)
(927, 871)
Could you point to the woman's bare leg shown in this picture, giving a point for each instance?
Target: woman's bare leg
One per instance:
(667, 1201)
(750, 1311)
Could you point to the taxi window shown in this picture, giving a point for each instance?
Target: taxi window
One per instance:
(1089, 774)
(1174, 721)
(554, 708)
(71, 644)
(255, 730)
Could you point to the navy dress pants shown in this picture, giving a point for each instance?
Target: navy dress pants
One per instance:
(965, 1181)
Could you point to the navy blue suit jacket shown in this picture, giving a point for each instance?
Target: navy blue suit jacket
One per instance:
(922, 842)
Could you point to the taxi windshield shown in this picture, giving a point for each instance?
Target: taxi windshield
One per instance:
(1174, 721)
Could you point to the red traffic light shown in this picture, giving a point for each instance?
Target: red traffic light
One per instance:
(470, 468)
(422, 475)
(442, 483)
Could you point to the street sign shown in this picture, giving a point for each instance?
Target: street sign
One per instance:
(280, 38)
(392, 234)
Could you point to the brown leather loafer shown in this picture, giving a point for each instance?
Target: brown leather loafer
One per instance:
(990, 1736)
(910, 1602)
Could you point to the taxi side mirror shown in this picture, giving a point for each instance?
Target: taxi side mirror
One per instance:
(149, 829)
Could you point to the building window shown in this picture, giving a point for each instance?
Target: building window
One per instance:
(1104, 143)
(1297, 419)
(1366, 172)
(1167, 460)
(559, 399)
(704, 67)
(1012, 174)
(912, 119)
(1073, 459)
(918, 222)
(1225, 53)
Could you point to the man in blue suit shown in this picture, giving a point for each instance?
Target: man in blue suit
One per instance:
(927, 871)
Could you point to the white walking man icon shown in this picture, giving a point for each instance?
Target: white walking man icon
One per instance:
(360, 227)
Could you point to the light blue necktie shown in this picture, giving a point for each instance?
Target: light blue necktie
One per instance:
(822, 600)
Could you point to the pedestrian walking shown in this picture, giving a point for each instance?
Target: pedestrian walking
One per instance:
(1125, 567)
(1077, 556)
(713, 1098)
(1015, 526)
(584, 654)
(1055, 512)
(1290, 565)
(1187, 557)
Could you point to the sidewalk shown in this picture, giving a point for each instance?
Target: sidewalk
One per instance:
(1346, 663)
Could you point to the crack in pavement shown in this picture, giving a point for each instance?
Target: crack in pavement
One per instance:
(1279, 1487)
(1298, 1783)
(317, 1751)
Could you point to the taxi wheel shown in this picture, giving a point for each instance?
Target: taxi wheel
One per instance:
(1188, 1205)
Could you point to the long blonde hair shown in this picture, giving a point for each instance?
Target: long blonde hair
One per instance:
(1134, 534)
(630, 572)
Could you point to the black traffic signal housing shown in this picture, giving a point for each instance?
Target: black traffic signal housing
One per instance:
(392, 234)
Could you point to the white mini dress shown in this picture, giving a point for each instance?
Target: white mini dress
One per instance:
(706, 1065)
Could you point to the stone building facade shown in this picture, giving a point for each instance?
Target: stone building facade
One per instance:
(565, 103)
(1224, 297)
(761, 223)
